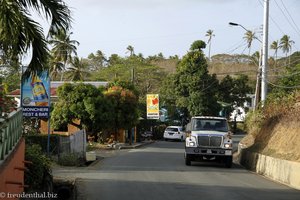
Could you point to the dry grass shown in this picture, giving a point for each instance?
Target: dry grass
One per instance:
(278, 135)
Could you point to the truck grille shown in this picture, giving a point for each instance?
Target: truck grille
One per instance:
(210, 141)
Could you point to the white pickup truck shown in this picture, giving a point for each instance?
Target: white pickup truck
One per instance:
(208, 138)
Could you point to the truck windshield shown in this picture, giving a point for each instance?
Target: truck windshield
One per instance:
(209, 124)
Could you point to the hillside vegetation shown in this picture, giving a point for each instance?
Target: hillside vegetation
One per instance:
(274, 130)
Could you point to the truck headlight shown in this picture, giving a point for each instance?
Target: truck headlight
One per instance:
(227, 146)
(192, 144)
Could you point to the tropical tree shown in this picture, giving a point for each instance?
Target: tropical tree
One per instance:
(198, 45)
(97, 61)
(55, 68)
(84, 102)
(78, 69)
(63, 48)
(167, 97)
(130, 50)
(255, 58)
(209, 34)
(234, 91)
(286, 44)
(195, 88)
(114, 59)
(20, 33)
(146, 78)
(124, 106)
(160, 55)
(275, 46)
(249, 37)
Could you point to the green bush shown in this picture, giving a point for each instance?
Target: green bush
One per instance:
(42, 140)
(254, 121)
(70, 159)
(41, 166)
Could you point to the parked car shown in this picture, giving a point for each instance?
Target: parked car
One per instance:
(174, 133)
(147, 135)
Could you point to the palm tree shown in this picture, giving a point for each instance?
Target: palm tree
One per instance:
(209, 34)
(101, 58)
(255, 58)
(249, 37)
(78, 69)
(275, 47)
(97, 61)
(55, 68)
(19, 32)
(286, 44)
(130, 50)
(63, 48)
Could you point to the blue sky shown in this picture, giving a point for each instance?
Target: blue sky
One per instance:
(170, 26)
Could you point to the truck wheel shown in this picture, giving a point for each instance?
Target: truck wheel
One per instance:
(228, 161)
(188, 160)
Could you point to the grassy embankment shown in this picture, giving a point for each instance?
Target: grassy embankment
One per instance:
(274, 130)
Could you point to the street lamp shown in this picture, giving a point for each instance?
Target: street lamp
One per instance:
(264, 57)
(235, 24)
(258, 85)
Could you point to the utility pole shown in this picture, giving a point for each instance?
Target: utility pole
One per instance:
(258, 82)
(132, 76)
(264, 84)
(258, 76)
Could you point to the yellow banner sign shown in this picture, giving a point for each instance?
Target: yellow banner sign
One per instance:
(152, 106)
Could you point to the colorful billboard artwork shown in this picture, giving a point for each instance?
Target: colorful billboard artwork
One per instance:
(152, 106)
(35, 96)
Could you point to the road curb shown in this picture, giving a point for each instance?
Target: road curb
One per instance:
(136, 146)
(283, 171)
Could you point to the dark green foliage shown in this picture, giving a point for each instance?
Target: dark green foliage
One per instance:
(194, 87)
(288, 81)
(39, 168)
(96, 111)
(233, 92)
(145, 77)
(124, 106)
(198, 45)
(42, 140)
(84, 102)
(19, 32)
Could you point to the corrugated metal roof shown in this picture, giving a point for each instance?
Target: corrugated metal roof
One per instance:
(56, 84)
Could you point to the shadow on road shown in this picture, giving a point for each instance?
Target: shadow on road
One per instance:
(149, 190)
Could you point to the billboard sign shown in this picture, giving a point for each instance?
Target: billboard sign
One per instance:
(35, 96)
(152, 106)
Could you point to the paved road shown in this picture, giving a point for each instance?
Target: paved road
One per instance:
(157, 171)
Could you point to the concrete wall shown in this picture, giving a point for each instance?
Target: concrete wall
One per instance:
(284, 171)
(12, 173)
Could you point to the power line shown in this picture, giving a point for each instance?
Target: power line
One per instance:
(233, 47)
(295, 25)
(210, 85)
(239, 72)
(284, 66)
(283, 86)
(273, 20)
(287, 75)
(278, 27)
